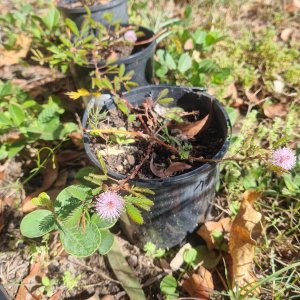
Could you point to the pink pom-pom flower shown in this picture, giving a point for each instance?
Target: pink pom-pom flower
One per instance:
(109, 205)
(130, 36)
(284, 158)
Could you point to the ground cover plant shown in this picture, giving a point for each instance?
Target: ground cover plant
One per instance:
(60, 235)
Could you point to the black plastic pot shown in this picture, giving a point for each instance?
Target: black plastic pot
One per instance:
(3, 294)
(140, 61)
(180, 202)
(118, 9)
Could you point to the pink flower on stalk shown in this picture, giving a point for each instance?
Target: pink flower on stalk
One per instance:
(130, 36)
(284, 158)
(109, 205)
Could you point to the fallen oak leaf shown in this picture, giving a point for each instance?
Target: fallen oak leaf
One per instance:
(190, 130)
(170, 170)
(10, 137)
(206, 231)
(50, 174)
(274, 110)
(23, 293)
(11, 57)
(245, 230)
(251, 96)
(286, 34)
(231, 92)
(199, 285)
(292, 7)
(56, 295)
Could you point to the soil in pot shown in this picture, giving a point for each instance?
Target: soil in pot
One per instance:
(124, 158)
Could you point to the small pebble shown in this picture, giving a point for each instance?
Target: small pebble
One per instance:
(131, 159)
(132, 261)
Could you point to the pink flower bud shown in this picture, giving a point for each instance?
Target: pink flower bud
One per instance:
(130, 36)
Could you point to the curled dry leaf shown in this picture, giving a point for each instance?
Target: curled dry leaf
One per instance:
(244, 232)
(11, 57)
(189, 45)
(274, 110)
(23, 292)
(206, 231)
(77, 138)
(292, 7)
(286, 34)
(231, 92)
(251, 96)
(10, 137)
(56, 295)
(200, 285)
(190, 130)
(50, 174)
(170, 170)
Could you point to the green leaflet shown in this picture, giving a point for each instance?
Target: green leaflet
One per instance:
(37, 223)
(134, 213)
(82, 241)
(101, 223)
(106, 242)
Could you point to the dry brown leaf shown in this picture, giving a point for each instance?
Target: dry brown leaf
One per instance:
(188, 45)
(292, 7)
(2, 175)
(113, 56)
(231, 92)
(56, 295)
(106, 297)
(50, 174)
(10, 137)
(77, 138)
(12, 57)
(274, 110)
(206, 230)
(66, 156)
(199, 285)
(170, 170)
(286, 34)
(190, 130)
(23, 292)
(244, 232)
(251, 96)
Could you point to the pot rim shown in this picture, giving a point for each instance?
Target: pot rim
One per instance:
(93, 8)
(171, 179)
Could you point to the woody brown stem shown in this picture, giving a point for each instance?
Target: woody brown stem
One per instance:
(154, 37)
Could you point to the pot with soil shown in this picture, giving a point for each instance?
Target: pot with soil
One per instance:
(137, 57)
(74, 10)
(184, 186)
